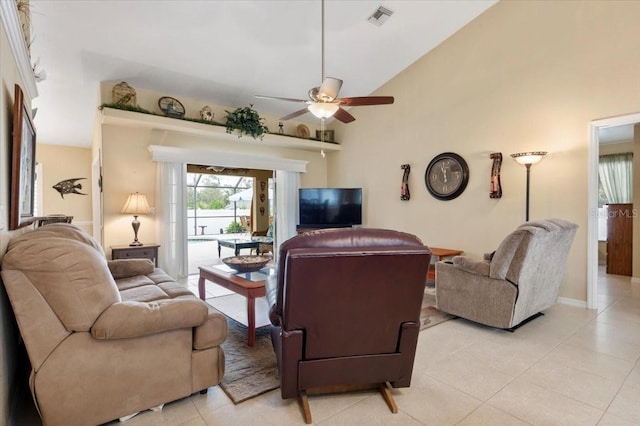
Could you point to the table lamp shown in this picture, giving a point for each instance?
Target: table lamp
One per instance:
(528, 159)
(136, 205)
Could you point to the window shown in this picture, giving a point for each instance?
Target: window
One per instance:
(217, 203)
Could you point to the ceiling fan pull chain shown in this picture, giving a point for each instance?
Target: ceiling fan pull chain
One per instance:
(322, 34)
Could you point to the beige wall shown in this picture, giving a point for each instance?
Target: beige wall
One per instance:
(60, 163)
(127, 164)
(523, 76)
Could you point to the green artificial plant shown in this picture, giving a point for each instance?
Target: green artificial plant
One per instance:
(247, 121)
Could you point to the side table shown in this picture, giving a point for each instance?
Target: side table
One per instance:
(438, 254)
(147, 251)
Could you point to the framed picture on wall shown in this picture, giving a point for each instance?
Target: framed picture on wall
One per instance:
(325, 135)
(23, 164)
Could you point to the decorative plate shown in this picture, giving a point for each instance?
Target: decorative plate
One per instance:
(171, 106)
(246, 263)
(302, 131)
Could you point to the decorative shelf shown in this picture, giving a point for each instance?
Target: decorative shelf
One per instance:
(136, 119)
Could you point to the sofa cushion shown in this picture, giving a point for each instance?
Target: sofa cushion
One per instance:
(132, 319)
(124, 268)
(143, 293)
(68, 270)
(133, 282)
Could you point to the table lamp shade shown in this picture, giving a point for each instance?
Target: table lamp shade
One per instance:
(136, 205)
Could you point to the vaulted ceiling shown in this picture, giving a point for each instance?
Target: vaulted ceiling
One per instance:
(223, 52)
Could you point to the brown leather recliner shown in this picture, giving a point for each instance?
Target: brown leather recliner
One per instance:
(345, 305)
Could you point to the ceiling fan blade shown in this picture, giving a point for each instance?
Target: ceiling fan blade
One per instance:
(294, 114)
(344, 116)
(366, 100)
(281, 99)
(330, 88)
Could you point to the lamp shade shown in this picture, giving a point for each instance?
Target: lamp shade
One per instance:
(529, 157)
(323, 109)
(136, 205)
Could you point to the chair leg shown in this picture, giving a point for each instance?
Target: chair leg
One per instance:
(531, 318)
(388, 397)
(304, 403)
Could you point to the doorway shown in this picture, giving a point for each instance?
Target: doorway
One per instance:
(224, 204)
(596, 129)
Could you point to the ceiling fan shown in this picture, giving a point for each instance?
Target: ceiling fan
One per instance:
(324, 101)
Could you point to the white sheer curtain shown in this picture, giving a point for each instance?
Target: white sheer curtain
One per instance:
(171, 218)
(616, 177)
(287, 184)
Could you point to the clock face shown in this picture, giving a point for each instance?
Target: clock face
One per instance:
(447, 176)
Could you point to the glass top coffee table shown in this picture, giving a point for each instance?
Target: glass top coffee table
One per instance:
(237, 244)
(240, 243)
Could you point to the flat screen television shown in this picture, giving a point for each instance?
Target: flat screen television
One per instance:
(330, 207)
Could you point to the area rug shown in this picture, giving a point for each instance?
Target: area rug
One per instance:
(249, 370)
(429, 315)
(252, 371)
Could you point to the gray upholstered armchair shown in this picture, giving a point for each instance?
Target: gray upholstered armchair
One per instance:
(520, 279)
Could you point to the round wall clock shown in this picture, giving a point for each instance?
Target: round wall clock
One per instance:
(447, 176)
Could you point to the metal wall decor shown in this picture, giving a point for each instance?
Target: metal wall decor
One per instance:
(496, 187)
(68, 186)
(405, 195)
(171, 107)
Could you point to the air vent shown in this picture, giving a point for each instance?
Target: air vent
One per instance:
(380, 16)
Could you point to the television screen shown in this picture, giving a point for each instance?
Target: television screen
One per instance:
(330, 207)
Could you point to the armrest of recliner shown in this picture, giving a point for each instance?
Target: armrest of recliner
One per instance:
(134, 319)
(271, 289)
(472, 266)
(125, 268)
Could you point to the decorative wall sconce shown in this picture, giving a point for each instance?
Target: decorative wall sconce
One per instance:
(136, 205)
(528, 159)
(405, 195)
(496, 187)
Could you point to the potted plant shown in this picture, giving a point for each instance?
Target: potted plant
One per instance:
(247, 121)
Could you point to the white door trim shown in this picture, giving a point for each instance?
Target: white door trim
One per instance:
(592, 197)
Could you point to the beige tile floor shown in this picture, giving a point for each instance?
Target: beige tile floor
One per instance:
(570, 367)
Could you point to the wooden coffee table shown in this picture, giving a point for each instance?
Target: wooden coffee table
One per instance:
(239, 285)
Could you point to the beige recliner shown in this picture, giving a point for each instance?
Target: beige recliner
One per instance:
(106, 340)
(513, 284)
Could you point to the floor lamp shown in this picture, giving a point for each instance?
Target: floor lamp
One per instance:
(136, 205)
(528, 159)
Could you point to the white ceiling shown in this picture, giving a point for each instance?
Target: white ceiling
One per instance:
(616, 134)
(223, 52)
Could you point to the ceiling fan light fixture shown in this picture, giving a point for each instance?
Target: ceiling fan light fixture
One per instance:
(323, 109)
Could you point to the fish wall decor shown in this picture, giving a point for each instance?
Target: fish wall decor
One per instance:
(68, 186)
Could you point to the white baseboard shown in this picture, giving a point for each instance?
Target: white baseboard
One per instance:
(635, 280)
(572, 302)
